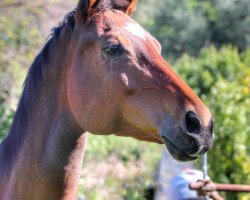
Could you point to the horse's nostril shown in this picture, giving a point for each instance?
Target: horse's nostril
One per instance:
(193, 123)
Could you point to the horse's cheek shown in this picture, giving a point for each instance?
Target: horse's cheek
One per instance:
(77, 94)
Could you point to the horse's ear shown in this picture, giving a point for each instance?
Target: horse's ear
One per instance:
(85, 7)
(83, 10)
(127, 6)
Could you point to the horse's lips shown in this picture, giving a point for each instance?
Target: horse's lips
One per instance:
(175, 151)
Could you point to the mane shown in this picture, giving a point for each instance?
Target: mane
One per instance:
(35, 78)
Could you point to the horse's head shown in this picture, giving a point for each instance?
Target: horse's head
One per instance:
(119, 83)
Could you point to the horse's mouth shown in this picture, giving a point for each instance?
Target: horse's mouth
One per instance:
(176, 152)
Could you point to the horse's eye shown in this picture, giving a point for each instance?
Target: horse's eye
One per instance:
(112, 49)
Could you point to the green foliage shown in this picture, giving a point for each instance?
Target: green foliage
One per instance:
(19, 36)
(229, 159)
(189, 25)
(99, 148)
(128, 152)
(202, 73)
(231, 133)
(222, 79)
(232, 24)
(5, 119)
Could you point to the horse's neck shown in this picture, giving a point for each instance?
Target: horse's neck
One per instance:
(48, 160)
(54, 173)
(48, 163)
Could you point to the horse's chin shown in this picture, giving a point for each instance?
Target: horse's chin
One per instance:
(176, 152)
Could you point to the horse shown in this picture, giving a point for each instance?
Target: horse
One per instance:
(99, 72)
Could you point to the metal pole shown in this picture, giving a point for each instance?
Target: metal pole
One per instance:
(204, 166)
(216, 186)
(204, 169)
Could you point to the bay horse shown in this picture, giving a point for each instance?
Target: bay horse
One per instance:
(103, 73)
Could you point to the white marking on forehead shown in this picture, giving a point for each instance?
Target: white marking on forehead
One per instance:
(135, 29)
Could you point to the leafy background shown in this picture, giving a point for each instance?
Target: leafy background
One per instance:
(206, 42)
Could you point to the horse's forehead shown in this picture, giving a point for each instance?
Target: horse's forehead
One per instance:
(128, 31)
(123, 23)
(136, 30)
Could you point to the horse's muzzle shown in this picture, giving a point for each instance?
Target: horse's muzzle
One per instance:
(190, 139)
